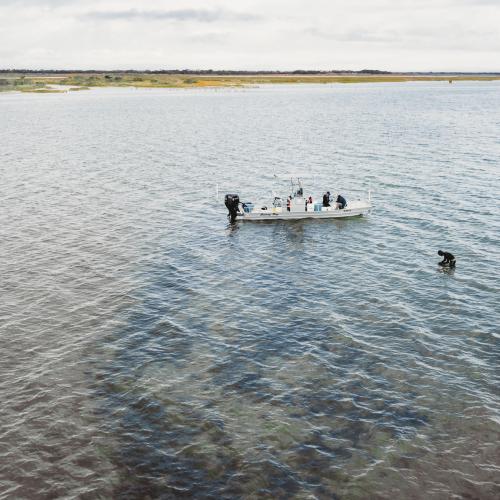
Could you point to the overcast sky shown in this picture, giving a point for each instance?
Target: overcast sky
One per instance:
(395, 35)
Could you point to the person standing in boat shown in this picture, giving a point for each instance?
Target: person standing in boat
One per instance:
(288, 203)
(326, 199)
(309, 202)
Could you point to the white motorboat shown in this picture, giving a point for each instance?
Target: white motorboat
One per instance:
(297, 206)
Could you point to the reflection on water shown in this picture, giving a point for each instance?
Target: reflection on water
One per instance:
(450, 271)
(153, 351)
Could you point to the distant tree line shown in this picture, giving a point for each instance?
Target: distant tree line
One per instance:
(197, 72)
(235, 72)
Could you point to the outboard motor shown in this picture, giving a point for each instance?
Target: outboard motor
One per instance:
(232, 201)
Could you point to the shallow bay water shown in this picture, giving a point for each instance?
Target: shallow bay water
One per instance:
(150, 349)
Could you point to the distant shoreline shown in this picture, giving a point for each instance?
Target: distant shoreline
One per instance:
(248, 73)
(43, 81)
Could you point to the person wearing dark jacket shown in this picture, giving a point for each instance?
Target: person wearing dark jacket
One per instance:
(448, 259)
(326, 199)
(341, 201)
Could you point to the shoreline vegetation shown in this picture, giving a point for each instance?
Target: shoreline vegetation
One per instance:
(70, 81)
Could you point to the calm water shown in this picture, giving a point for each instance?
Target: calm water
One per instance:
(147, 350)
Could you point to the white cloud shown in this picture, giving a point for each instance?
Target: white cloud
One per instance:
(198, 15)
(429, 35)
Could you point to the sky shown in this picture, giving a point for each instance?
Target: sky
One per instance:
(392, 35)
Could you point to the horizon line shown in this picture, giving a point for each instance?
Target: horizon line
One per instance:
(243, 72)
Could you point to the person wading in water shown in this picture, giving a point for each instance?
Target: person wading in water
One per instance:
(448, 259)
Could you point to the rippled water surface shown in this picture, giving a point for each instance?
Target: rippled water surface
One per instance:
(150, 349)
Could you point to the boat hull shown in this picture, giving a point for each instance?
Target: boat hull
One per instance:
(333, 214)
